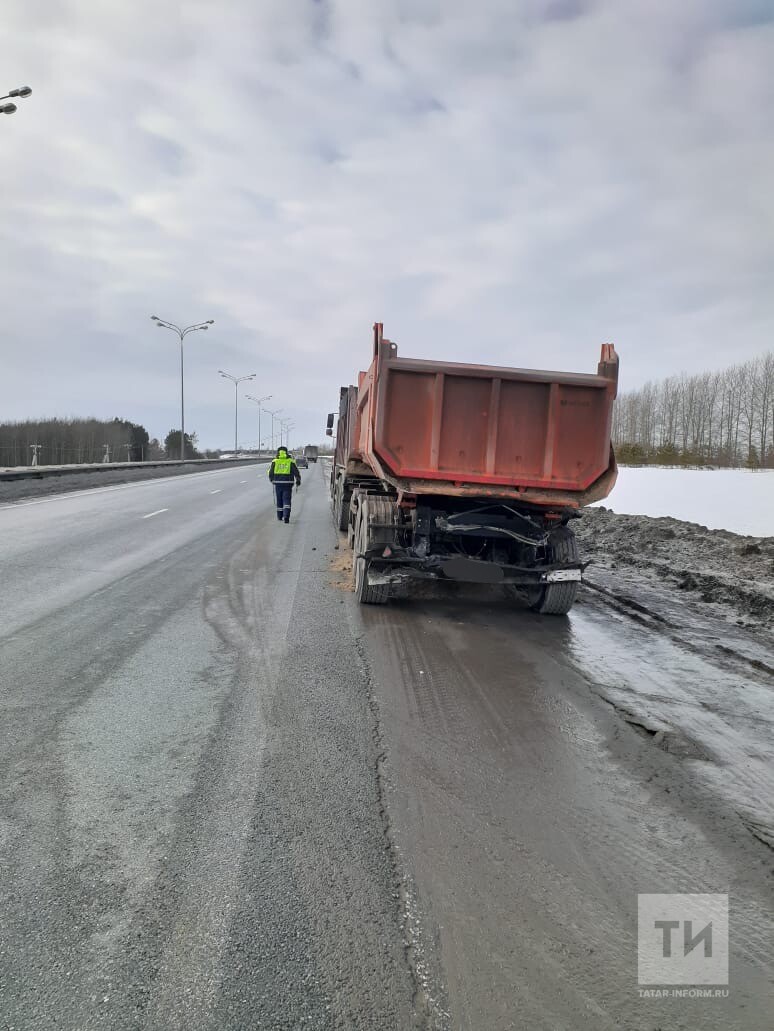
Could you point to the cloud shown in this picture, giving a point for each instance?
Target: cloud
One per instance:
(512, 183)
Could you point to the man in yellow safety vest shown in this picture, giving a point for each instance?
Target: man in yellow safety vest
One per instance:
(283, 473)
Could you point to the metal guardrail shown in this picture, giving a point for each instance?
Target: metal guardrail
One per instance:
(40, 472)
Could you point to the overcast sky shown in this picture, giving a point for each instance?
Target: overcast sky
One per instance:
(502, 181)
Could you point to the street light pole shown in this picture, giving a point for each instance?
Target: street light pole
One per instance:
(259, 401)
(236, 380)
(182, 333)
(8, 109)
(272, 414)
(286, 425)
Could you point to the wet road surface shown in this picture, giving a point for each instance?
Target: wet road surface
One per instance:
(529, 815)
(234, 799)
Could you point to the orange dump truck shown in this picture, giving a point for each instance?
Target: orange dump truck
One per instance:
(470, 472)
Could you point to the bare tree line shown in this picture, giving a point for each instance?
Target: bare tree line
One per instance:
(75, 441)
(721, 418)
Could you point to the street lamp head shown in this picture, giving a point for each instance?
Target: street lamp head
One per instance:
(22, 91)
(155, 318)
(7, 109)
(210, 322)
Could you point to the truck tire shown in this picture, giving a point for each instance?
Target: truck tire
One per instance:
(340, 506)
(370, 511)
(557, 599)
(352, 518)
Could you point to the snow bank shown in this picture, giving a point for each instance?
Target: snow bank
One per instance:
(738, 500)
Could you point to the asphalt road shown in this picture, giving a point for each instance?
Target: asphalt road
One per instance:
(233, 799)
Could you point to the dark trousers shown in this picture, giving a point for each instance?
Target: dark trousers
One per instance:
(284, 493)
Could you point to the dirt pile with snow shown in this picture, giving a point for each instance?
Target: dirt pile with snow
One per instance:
(713, 565)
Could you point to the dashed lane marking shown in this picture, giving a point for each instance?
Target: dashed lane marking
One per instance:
(157, 512)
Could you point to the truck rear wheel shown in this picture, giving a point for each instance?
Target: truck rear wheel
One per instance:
(370, 511)
(557, 599)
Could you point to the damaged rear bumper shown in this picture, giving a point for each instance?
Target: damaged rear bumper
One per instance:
(398, 566)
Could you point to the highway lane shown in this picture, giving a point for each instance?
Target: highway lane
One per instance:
(56, 549)
(233, 798)
(191, 833)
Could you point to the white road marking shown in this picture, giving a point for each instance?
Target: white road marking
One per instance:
(215, 491)
(243, 481)
(157, 512)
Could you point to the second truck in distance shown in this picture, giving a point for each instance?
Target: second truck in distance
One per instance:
(470, 473)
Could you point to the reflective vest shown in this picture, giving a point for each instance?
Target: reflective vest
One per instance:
(282, 466)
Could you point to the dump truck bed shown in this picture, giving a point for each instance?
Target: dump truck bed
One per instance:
(433, 427)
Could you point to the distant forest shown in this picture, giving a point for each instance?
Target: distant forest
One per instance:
(713, 418)
(75, 441)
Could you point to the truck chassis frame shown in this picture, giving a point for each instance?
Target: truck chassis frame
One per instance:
(528, 551)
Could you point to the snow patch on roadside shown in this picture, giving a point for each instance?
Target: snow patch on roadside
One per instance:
(739, 500)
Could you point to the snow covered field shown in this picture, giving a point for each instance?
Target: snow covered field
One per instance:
(738, 500)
